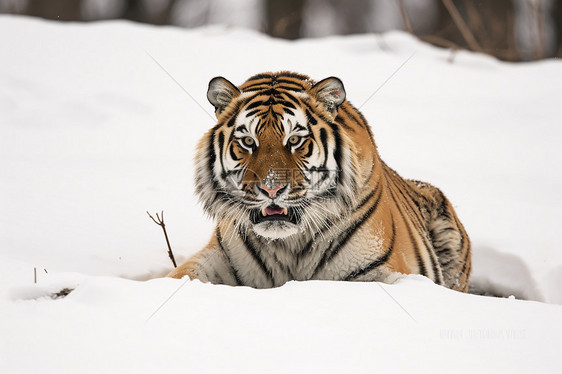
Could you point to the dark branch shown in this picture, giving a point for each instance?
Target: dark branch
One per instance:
(461, 25)
(160, 222)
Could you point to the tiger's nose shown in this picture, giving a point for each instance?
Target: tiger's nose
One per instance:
(272, 192)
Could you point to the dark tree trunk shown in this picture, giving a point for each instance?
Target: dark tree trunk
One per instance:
(284, 18)
(557, 20)
(135, 10)
(354, 16)
(60, 10)
(491, 23)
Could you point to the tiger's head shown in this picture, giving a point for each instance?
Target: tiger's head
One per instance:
(277, 161)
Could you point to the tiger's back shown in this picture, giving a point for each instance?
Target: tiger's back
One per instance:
(293, 177)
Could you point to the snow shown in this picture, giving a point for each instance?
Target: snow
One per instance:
(94, 133)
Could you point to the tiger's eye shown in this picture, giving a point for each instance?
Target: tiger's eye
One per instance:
(294, 140)
(248, 141)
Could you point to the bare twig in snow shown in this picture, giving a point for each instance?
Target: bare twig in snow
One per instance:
(160, 222)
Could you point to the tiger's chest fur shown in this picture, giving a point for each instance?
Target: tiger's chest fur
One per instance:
(292, 175)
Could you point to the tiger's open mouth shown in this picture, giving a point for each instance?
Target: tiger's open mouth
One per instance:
(274, 212)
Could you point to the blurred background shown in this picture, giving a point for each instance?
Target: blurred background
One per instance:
(511, 30)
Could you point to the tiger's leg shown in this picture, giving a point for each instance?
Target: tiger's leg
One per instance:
(450, 242)
(208, 265)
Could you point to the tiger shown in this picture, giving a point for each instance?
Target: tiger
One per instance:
(293, 177)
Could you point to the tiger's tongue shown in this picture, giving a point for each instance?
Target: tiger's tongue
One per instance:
(271, 211)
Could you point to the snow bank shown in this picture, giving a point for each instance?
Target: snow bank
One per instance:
(108, 325)
(94, 133)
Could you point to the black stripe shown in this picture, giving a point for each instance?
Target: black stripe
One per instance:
(232, 121)
(404, 185)
(281, 80)
(288, 88)
(246, 100)
(419, 259)
(424, 233)
(277, 126)
(232, 154)
(261, 85)
(368, 197)
(415, 195)
(254, 253)
(307, 249)
(330, 254)
(310, 149)
(239, 128)
(342, 123)
(378, 262)
(351, 115)
(259, 89)
(255, 104)
(259, 76)
(289, 74)
(442, 251)
(310, 118)
(417, 222)
(291, 97)
(287, 104)
(261, 81)
(465, 258)
(337, 151)
(230, 264)
(363, 120)
(287, 110)
(445, 264)
(448, 229)
(251, 113)
(221, 146)
(306, 104)
(212, 160)
(284, 267)
(324, 141)
(460, 230)
(272, 92)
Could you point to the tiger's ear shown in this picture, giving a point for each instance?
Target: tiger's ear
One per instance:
(220, 93)
(329, 91)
